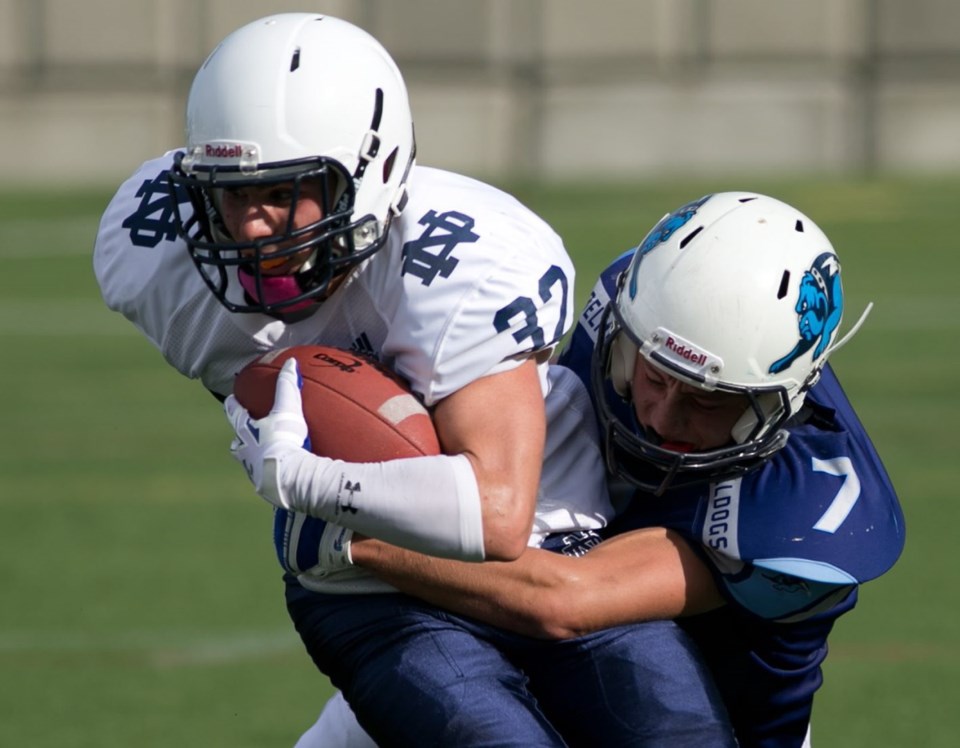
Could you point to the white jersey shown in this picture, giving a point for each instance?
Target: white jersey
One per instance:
(470, 283)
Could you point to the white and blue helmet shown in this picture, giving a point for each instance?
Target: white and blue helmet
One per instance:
(735, 292)
(292, 97)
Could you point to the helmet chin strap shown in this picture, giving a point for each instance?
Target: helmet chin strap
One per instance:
(853, 330)
(769, 404)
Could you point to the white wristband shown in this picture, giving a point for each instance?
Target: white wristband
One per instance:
(428, 504)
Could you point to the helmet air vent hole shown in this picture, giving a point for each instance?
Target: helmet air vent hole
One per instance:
(799, 226)
(784, 284)
(388, 165)
(747, 199)
(689, 237)
(295, 60)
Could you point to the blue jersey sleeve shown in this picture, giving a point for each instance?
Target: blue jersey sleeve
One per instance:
(781, 596)
(792, 538)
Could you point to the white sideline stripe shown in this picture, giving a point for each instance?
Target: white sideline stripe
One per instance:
(160, 648)
(220, 651)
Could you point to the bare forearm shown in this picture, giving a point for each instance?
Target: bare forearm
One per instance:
(643, 575)
(506, 594)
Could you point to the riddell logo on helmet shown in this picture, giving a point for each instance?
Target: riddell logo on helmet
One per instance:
(223, 151)
(683, 351)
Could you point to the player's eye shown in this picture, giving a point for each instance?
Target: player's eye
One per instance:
(707, 405)
(654, 380)
(280, 195)
(231, 193)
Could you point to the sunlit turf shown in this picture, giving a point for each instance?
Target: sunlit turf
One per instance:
(141, 601)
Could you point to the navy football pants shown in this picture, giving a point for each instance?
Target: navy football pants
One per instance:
(418, 676)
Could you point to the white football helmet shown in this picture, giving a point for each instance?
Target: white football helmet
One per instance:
(286, 98)
(736, 292)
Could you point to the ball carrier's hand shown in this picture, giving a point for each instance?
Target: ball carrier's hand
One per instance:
(429, 504)
(260, 444)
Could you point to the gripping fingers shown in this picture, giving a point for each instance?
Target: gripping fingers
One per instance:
(236, 413)
(287, 424)
(284, 424)
(246, 428)
(287, 396)
(262, 444)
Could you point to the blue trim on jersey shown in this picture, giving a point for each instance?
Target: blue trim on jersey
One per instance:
(775, 518)
(813, 571)
(777, 595)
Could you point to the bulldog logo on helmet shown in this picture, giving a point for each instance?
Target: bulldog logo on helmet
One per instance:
(819, 308)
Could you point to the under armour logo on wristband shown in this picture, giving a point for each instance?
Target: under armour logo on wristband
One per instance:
(347, 506)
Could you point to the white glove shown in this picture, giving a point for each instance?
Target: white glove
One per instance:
(429, 504)
(261, 444)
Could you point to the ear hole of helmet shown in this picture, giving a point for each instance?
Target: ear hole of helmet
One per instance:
(770, 406)
(388, 164)
(622, 361)
(212, 200)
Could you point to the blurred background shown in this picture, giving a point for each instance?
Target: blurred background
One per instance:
(140, 601)
(535, 88)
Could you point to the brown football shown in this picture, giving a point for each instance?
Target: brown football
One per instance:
(356, 410)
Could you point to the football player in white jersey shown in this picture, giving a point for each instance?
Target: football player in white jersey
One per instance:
(758, 503)
(296, 214)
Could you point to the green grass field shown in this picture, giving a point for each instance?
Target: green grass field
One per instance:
(140, 603)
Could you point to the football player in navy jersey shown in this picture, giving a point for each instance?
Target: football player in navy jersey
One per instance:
(296, 214)
(755, 504)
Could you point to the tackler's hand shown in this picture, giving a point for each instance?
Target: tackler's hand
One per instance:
(261, 444)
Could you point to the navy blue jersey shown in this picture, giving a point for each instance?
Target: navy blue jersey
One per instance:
(788, 544)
